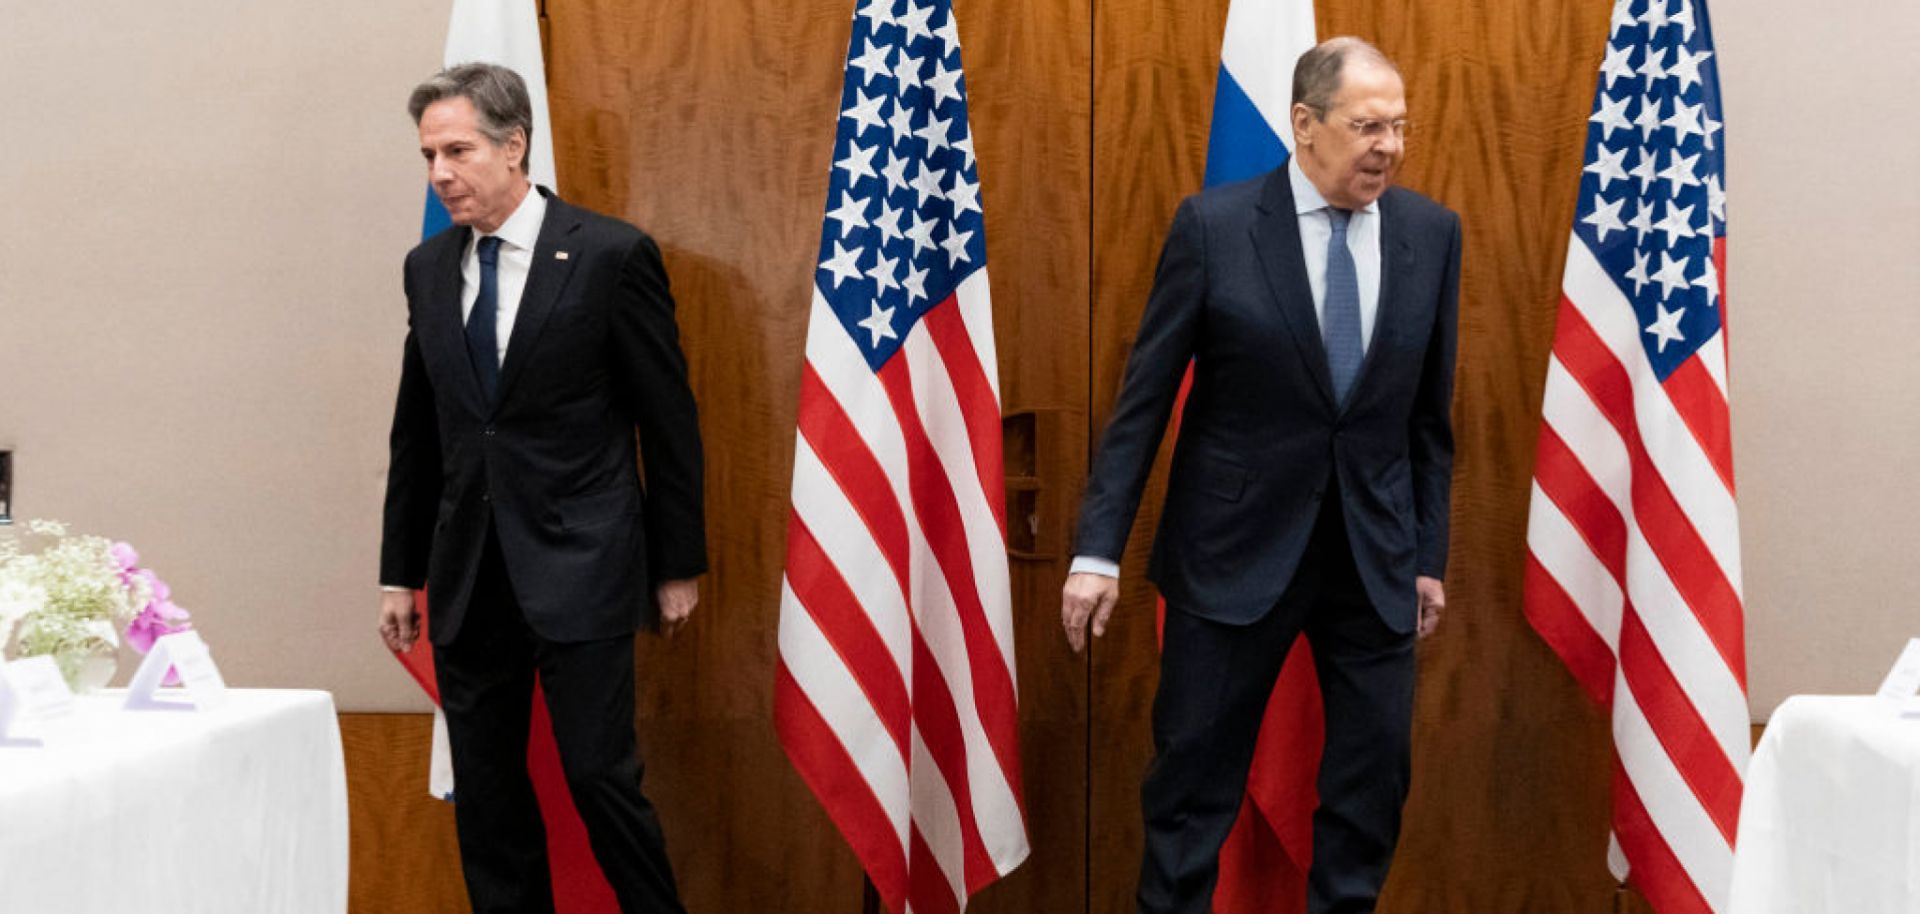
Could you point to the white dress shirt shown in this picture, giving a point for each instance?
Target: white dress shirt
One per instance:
(517, 237)
(1316, 229)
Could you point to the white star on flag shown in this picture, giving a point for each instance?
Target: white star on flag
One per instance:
(907, 72)
(1654, 69)
(916, 285)
(1678, 224)
(1648, 120)
(965, 197)
(880, 324)
(888, 222)
(1638, 273)
(865, 112)
(1685, 121)
(844, 264)
(1686, 67)
(1644, 170)
(873, 63)
(945, 83)
(858, 163)
(851, 215)
(1666, 327)
(1709, 279)
(1642, 222)
(1681, 172)
(1671, 275)
(1612, 114)
(885, 272)
(921, 233)
(927, 183)
(1618, 64)
(956, 245)
(914, 20)
(1608, 166)
(1605, 217)
(935, 134)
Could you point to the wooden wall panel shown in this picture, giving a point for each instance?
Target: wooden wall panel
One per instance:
(710, 125)
(404, 855)
(1154, 65)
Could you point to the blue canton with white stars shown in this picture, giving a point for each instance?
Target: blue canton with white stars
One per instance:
(1653, 193)
(903, 224)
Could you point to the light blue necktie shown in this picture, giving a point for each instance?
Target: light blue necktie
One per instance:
(483, 335)
(1340, 322)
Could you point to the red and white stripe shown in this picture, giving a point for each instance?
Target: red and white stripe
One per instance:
(1633, 576)
(895, 695)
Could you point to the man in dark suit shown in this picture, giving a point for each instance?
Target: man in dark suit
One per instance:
(1309, 487)
(541, 337)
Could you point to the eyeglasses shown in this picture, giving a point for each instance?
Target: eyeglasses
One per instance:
(1374, 129)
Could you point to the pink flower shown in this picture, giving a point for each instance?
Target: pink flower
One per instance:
(125, 556)
(161, 592)
(160, 617)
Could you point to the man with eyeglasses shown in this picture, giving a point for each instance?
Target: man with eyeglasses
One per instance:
(1309, 487)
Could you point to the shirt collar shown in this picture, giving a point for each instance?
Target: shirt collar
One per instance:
(522, 229)
(1306, 197)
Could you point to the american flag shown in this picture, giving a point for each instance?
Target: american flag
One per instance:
(1633, 571)
(895, 692)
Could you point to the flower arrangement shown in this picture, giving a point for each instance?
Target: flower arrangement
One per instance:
(70, 598)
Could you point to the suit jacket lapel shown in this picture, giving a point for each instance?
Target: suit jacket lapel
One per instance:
(1395, 253)
(446, 327)
(1276, 240)
(546, 278)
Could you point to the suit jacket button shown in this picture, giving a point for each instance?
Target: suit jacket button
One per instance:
(489, 431)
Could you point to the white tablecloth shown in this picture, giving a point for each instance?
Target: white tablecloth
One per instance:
(241, 809)
(1831, 819)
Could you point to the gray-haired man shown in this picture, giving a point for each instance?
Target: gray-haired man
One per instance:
(541, 338)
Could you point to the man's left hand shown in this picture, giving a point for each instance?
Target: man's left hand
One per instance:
(1433, 599)
(677, 599)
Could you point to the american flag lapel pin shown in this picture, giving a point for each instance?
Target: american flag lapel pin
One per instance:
(559, 255)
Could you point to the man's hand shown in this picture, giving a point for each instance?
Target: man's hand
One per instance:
(677, 599)
(399, 621)
(1087, 597)
(1433, 599)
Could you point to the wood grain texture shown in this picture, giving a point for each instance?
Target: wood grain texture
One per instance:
(709, 125)
(404, 855)
(1154, 67)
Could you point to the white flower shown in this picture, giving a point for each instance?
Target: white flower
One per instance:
(18, 599)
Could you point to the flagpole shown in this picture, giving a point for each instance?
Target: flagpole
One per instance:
(869, 896)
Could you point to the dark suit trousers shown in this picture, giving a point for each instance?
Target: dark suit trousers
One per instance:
(486, 681)
(1215, 680)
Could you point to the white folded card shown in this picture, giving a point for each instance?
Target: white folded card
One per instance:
(31, 688)
(186, 653)
(1902, 684)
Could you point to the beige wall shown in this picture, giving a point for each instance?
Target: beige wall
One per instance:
(205, 205)
(1823, 289)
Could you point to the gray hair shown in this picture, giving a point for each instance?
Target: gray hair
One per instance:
(497, 93)
(1316, 78)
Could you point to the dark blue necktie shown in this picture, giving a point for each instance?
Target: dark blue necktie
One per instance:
(483, 337)
(1340, 322)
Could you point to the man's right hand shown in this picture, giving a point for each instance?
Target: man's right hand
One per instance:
(1087, 598)
(399, 621)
